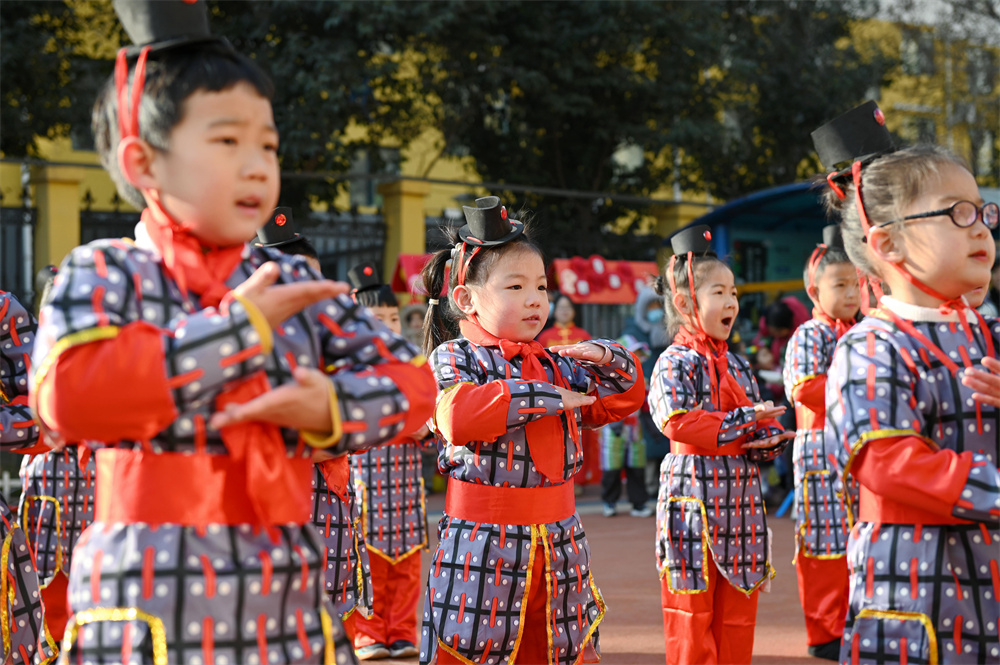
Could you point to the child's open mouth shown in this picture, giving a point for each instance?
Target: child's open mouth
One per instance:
(249, 204)
(727, 321)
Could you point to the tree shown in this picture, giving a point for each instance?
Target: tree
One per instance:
(787, 68)
(548, 94)
(50, 70)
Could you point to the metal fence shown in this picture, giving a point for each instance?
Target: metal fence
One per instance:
(96, 224)
(17, 242)
(345, 239)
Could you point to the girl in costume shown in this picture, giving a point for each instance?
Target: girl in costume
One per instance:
(713, 544)
(823, 509)
(510, 580)
(911, 401)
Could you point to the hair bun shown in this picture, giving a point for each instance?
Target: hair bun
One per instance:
(659, 286)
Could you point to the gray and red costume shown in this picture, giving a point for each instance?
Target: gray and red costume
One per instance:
(825, 505)
(713, 546)
(25, 637)
(923, 556)
(510, 578)
(390, 481)
(201, 549)
(336, 514)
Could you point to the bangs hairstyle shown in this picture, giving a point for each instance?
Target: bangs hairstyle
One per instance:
(702, 265)
(380, 296)
(441, 320)
(831, 256)
(171, 77)
(888, 184)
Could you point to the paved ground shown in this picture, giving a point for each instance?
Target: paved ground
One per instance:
(623, 564)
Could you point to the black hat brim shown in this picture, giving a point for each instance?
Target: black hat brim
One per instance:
(465, 233)
(297, 236)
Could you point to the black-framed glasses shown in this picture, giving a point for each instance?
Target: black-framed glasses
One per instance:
(963, 215)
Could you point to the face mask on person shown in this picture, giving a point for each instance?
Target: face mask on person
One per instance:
(654, 315)
(552, 309)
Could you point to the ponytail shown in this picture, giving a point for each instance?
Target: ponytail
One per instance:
(437, 326)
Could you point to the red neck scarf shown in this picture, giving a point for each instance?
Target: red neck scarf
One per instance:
(839, 327)
(547, 444)
(195, 266)
(203, 270)
(726, 391)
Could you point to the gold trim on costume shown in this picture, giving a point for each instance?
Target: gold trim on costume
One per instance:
(705, 549)
(94, 334)
(5, 591)
(258, 321)
(329, 653)
(28, 499)
(84, 617)
(932, 657)
(314, 440)
(535, 533)
(800, 536)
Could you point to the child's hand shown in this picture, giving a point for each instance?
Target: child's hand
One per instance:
(322, 455)
(771, 441)
(986, 384)
(765, 410)
(594, 353)
(277, 303)
(574, 400)
(303, 405)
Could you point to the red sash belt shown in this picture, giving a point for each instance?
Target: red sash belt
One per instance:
(509, 505)
(882, 510)
(193, 490)
(732, 448)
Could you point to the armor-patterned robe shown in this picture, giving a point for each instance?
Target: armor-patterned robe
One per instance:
(825, 507)
(924, 554)
(223, 593)
(709, 510)
(336, 514)
(479, 572)
(22, 621)
(394, 517)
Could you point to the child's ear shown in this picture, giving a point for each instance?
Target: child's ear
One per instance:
(135, 159)
(813, 293)
(884, 246)
(462, 297)
(681, 303)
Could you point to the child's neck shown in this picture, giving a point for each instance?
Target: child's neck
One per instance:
(691, 330)
(902, 290)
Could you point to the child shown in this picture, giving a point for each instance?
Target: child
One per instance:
(390, 478)
(199, 374)
(901, 401)
(823, 515)
(622, 448)
(25, 638)
(713, 544)
(335, 511)
(564, 331)
(510, 580)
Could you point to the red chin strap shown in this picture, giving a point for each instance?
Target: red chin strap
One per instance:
(128, 108)
(696, 321)
(463, 263)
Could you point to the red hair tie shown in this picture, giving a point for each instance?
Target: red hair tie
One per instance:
(128, 109)
(835, 187)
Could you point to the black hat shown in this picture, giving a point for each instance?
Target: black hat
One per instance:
(832, 237)
(857, 135)
(278, 231)
(165, 24)
(364, 276)
(487, 224)
(696, 239)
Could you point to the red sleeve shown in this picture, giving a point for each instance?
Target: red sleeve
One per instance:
(811, 393)
(701, 428)
(417, 385)
(907, 471)
(469, 412)
(614, 407)
(108, 390)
